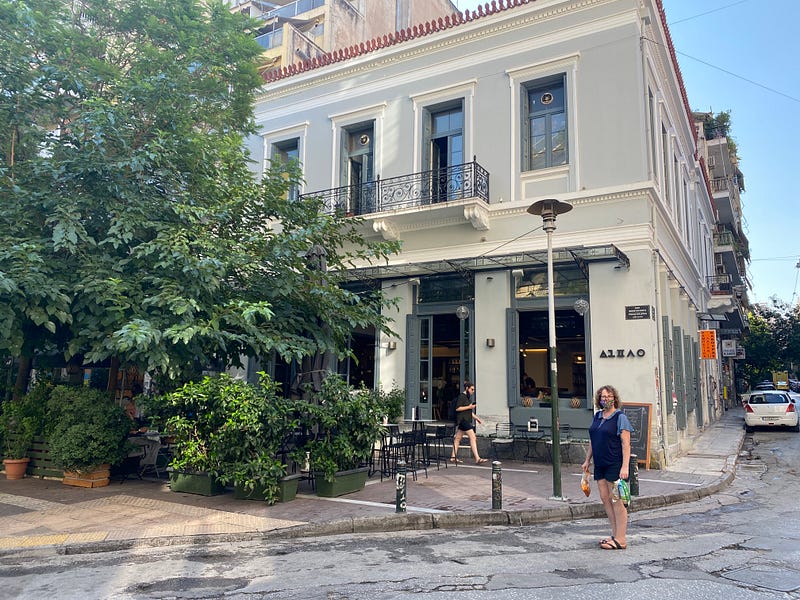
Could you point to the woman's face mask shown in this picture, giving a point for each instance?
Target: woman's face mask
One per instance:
(606, 402)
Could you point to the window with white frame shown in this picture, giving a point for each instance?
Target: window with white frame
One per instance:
(285, 152)
(665, 162)
(544, 123)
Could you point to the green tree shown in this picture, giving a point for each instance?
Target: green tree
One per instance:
(773, 340)
(131, 225)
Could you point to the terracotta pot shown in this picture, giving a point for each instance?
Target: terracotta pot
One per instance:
(15, 467)
(575, 403)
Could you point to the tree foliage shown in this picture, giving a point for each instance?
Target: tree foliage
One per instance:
(773, 340)
(131, 224)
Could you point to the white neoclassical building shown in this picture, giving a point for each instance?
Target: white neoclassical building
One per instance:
(444, 134)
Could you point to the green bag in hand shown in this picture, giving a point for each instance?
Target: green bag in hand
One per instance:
(622, 491)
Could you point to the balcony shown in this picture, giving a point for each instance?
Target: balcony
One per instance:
(290, 11)
(726, 201)
(720, 285)
(456, 193)
(425, 189)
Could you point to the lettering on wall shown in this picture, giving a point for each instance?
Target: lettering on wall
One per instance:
(622, 353)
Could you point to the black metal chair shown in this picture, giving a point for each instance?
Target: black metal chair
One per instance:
(503, 439)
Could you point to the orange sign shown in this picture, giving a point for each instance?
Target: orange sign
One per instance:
(708, 344)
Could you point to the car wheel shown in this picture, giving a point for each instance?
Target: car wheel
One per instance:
(748, 429)
(796, 428)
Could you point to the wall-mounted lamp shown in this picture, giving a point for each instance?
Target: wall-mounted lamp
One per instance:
(517, 273)
(391, 345)
(413, 281)
(490, 342)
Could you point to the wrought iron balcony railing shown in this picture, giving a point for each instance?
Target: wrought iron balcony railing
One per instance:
(458, 182)
(720, 285)
(725, 238)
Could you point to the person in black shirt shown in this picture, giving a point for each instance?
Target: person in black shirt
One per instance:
(465, 414)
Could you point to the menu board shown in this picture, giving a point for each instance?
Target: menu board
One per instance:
(639, 416)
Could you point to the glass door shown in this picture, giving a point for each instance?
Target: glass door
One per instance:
(439, 360)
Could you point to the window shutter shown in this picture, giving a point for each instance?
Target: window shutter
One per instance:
(512, 352)
(525, 130)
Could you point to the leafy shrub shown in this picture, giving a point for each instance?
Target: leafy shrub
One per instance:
(85, 428)
(22, 420)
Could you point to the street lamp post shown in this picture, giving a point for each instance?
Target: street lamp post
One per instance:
(549, 210)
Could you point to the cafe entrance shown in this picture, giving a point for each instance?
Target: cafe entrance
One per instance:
(439, 360)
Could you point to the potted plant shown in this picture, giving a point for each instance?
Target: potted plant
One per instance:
(228, 432)
(250, 442)
(21, 420)
(87, 432)
(347, 425)
(193, 420)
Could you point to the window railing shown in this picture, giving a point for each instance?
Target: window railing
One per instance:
(458, 182)
(720, 285)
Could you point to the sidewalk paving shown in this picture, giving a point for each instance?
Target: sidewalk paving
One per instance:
(44, 516)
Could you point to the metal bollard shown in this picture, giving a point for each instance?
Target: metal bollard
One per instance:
(497, 485)
(400, 488)
(633, 475)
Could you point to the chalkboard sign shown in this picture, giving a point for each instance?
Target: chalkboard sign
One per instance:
(639, 415)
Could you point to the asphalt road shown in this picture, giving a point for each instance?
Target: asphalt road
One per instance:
(741, 543)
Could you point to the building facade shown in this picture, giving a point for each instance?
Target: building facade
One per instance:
(296, 30)
(443, 134)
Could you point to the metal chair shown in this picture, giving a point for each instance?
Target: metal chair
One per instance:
(503, 438)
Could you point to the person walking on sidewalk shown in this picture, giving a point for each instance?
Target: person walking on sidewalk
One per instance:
(465, 414)
(610, 446)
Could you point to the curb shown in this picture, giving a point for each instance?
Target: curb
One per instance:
(393, 522)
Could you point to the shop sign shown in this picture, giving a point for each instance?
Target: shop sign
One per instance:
(708, 344)
(622, 353)
(729, 348)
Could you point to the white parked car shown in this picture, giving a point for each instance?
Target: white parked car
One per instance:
(770, 408)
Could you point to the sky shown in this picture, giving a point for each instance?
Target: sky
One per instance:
(741, 56)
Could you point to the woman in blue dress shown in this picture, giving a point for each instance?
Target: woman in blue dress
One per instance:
(610, 446)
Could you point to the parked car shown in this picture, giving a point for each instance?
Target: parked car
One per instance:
(764, 385)
(770, 408)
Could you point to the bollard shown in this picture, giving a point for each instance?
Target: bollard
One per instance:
(400, 499)
(497, 485)
(633, 475)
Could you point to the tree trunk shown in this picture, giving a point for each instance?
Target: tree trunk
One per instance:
(113, 370)
(23, 375)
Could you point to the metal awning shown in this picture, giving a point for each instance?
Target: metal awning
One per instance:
(580, 256)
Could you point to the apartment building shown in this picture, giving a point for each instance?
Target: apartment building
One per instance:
(443, 135)
(728, 305)
(306, 29)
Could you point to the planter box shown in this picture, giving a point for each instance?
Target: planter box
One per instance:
(345, 482)
(195, 483)
(100, 477)
(286, 493)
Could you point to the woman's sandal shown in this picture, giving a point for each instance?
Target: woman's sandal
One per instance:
(612, 544)
(453, 459)
(480, 461)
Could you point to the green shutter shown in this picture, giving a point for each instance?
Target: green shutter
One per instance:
(524, 130)
(680, 380)
(512, 354)
(668, 371)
